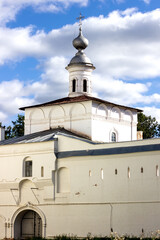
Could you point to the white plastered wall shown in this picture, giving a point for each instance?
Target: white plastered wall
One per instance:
(109, 118)
(94, 120)
(72, 116)
(92, 203)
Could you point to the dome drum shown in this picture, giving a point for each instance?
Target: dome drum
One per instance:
(79, 67)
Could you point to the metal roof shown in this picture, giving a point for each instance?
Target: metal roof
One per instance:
(42, 136)
(78, 99)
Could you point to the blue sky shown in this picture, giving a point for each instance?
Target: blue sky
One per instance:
(36, 45)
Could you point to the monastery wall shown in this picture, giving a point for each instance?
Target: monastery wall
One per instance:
(81, 194)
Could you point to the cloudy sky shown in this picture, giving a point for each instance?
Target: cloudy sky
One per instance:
(36, 46)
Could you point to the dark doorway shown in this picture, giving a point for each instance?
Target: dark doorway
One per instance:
(28, 224)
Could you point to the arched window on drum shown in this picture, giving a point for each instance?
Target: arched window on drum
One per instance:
(84, 85)
(74, 85)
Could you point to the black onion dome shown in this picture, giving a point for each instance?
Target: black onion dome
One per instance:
(80, 42)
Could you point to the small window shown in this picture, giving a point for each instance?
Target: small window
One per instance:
(28, 168)
(113, 137)
(102, 174)
(74, 85)
(42, 171)
(129, 173)
(90, 173)
(157, 171)
(141, 169)
(116, 171)
(85, 85)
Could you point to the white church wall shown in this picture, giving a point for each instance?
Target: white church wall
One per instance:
(101, 190)
(95, 120)
(73, 116)
(13, 156)
(99, 220)
(107, 119)
(139, 186)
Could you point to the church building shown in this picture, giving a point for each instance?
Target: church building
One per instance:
(81, 168)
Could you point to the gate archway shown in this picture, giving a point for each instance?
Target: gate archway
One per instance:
(28, 224)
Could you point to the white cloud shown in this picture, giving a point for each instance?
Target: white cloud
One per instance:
(124, 47)
(10, 8)
(12, 96)
(129, 11)
(54, 80)
(147, 1)
(120, 1)
(18, 43)
(152, 111)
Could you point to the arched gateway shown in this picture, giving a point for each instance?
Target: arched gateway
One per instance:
(28, 224)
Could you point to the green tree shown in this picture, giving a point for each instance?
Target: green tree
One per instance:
(18, 128)
(148, 125)
(8, 132)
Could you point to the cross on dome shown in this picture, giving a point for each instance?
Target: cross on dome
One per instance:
(80, 20)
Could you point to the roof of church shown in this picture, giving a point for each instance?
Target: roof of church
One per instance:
(78, 99)
(43, 136)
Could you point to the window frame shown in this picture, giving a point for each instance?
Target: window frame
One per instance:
(84, 85)
(74, 85)
(28, 167)
(113, 138)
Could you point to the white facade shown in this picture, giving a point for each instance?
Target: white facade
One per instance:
(95, 120)
(83, 193)
(79, 169)
(79, 74)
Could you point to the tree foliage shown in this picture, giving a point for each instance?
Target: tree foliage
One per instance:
(17, 130)
(149, 126)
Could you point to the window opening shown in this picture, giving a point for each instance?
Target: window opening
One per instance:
(90, 173)
(42, 171)
(116, 171)
(157, 171)
(85, 85)
(28, 168)
(129, 174)
(102, 174)
(74, 85)
(113, 137)
(141, 169)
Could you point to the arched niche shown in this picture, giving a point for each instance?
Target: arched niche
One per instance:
(116, 113)
(128, 116)
(78, 109)
(36, 114)
(56, 112)
(102, 110)
(27, 192)
(63, 180)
